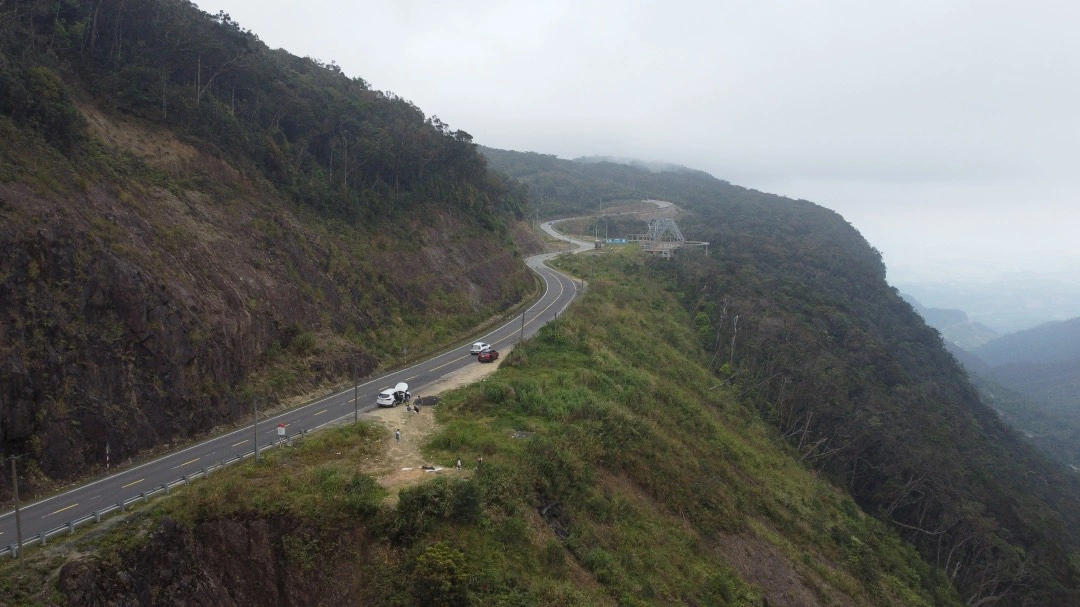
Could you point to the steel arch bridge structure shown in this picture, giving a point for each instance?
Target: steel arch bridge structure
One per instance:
(664, 238)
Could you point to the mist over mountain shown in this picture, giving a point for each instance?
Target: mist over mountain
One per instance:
(1052, 342)
(955, 326)
(649, 165)
(194, 223)
(1004, 301)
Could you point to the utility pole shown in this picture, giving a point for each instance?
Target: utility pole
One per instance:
(255, 428)
(106, 457)
(540, 191)
(18, 518)
(522, 327)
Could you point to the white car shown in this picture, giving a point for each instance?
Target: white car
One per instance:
(479, 347)
(391, 397)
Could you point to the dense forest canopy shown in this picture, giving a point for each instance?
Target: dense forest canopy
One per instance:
(331, 142)
(1033, 378)
(561, 188)
(791, 306)
(192, 220)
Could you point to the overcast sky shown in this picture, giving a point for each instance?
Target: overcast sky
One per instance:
(947, 132)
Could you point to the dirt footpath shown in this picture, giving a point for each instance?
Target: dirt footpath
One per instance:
(400, 465)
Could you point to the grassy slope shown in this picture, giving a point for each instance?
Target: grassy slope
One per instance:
(840, 366)
(637, 481)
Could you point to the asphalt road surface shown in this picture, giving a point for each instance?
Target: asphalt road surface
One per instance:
(55, 511)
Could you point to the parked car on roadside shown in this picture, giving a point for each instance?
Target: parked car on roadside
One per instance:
(479, 347)
(488, 356)
(392, 397)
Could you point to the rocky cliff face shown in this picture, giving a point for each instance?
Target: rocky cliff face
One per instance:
(134, 315)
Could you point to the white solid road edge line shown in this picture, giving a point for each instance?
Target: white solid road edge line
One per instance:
(313, 403)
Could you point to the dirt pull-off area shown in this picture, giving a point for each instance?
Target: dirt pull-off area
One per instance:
(402, 463)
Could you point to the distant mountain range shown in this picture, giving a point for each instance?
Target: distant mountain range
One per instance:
(954, 325)
(1004, 301)
(1043, 365)
(1031, 377)
(651, 166)
(1047, 343)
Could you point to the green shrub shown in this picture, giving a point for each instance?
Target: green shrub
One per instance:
(441, 500)
(440, 577)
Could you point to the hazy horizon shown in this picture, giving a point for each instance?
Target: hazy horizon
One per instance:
(945, 132)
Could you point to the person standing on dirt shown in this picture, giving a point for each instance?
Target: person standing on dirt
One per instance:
(397, 435)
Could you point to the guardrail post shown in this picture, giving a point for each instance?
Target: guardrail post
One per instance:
(184, 478)
(97, 516)
(42, 537)
(143, 496)
(71, 528)
(14, 550)
(121, 504)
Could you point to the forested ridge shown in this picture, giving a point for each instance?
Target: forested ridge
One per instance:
(604, 464)
(1033, 378)
(793, 304)
(328, 140)
(192, 221)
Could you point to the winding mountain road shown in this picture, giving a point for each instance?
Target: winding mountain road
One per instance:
(49, 514)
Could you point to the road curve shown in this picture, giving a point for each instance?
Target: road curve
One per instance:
(55, 511)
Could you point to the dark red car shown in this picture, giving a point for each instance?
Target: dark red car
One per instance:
(487, 356)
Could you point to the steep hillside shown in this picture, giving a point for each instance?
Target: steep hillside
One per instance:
(1047, 397)
(793, 305)
(1056, 383)
(1054, 430)
(971, 363)
(615, 471)
(1047, 343)
(955, 326)
(191, 221)
(564, 188)
(1033, 377)
(847, 370)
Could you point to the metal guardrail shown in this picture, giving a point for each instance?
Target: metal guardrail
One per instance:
(121, 506)
(144, 497)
